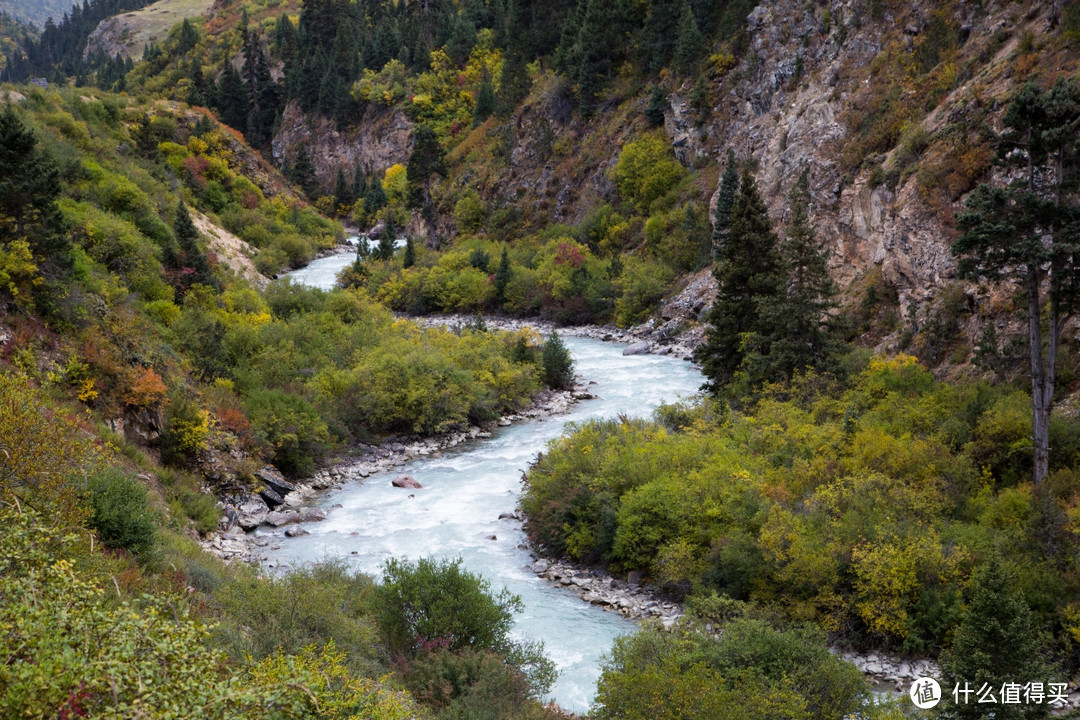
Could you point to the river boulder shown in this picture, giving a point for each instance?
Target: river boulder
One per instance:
(279, 518)
(251, 513)
(638, 348)
(406, 481)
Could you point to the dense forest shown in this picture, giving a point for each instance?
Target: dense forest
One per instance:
(860, 471)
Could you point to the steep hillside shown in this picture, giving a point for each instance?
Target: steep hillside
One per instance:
(128, 34)
(36, 12)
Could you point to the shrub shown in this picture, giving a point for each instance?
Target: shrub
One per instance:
(557, 363)
(186, 429)
(121, 512)
(646, 171)
(437, 602)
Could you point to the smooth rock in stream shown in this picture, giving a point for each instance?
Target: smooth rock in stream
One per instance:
(282, 517)
(296, 532)
(406, 481)
(251, 513)
(638, 348)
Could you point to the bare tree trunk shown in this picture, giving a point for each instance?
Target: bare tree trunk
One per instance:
(1041, 401)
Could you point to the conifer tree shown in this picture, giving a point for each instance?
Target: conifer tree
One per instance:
(729, 188)
(303, 172)
(749, 269)
(233, 101)
(503, 275)
(410, 254)
(29, 188)
(343, 195)
(658, 103)
(1028, 232)
(691, 43)
(191, 255)
(997, 641)
(359, 183)
(427, 159)
(485, 102)
(375, 197)
(802, 335)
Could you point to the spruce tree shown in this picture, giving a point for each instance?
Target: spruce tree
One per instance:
(359, 183)
(997, 641)
(729, 188)
(691, 43)
(233, 100)
(191, 255)
(801, 333)
(29, 188)
(658, 103)
(485, 102)
(343, 196)
(503, 275)
(427, 159)
(375, 197)
(410, 254)
(749, 270)
(556, 363)
(303, 173)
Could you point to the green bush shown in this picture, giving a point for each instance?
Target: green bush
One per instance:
(121, 512)
(646, 171)
(557, 363)
(437, 603)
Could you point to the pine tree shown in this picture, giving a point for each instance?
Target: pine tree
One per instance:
(303, 173)
(187, 38)
(343, 196)
(359, 183)
(802, 335)
(997, 641)
(427, 159)
(514, 86)
(658, 103)
(375, 197)
(729, 188)
(503, 275)
(691, 43)
(485, 102)
(1027, 232)
(191, 256)
(233, 101)
(29, 188)
(557, 364)
(410, 254)
(749, 270)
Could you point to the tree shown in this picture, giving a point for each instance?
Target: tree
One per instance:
(691, 43)
(654, 111)
(191, 256)
(234, 103)
(729, 188)
(29, 187)
(997, 641)
(303, 172)
(503, 275)
(343, 195)
(557, 364)
(485, 102)
(438, 602)
(410, 254)
(1028, 232)
(749, 270)
(803, 336)
(427, 159)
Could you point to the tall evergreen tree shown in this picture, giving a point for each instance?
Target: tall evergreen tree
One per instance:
(375, 197)
(802, 335)
(427, 159)
(233, 100)
(359, 183)
(410, 254)
(503, 275)
(191, 255)
(996, 642)
(485, 102)
(1028, 232)
(29, 188)
(658, 103)
(343, 195)
(729, 188)
(515, 83)
(749, 270)
(303, 172)
(690, 44)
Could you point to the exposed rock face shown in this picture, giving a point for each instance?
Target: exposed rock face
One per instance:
(381, 138)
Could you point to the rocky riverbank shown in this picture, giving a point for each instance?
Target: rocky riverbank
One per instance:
(654, 337)
(281, 505)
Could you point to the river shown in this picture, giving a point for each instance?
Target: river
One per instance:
(467, 488)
